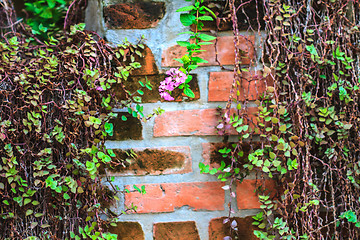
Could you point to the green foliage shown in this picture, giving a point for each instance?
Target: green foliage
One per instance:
(57, 101)
(46, 16)
(194, 15)
(304, 131)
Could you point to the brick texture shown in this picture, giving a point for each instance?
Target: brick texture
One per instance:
(127, 230)
(138, 15)
(176, 231)
(124, 130)
(246, 197)
(153, 161)
(191, 122)
(218, 230)
(166, 197)
(147, 61)
(251, 86)
(225, 50)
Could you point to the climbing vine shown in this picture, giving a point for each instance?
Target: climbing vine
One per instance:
(303, 131)
(56, 103)
(179, 78)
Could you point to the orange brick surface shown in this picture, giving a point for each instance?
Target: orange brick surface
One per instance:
(225, 50)
(176, 231)
(252, 85)
(191, 122)
(246, 197)
(166, 197)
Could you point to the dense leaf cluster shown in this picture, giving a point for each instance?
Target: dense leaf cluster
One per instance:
(305, 130)
(56, 102)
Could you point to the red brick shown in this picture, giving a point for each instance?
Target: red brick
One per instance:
(218, 230)
(166, 197)
(225, 49)
(139, 15)
(251, 86)
(246, 197)
(147, 61)
(176, 231)
(190, 122)
(187, 122)
(153, 161)
(127, 231)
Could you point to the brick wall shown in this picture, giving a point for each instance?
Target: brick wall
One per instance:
(180, 203)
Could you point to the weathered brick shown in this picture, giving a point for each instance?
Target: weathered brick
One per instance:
(127, 230)
(251, 15)
(153, 161)
(176, 231)
(225, 50)
(147, 61)
(166, 197)
(252, 86)
(151, 96)
(190, 122)
(218, 230)
(135, 15)
(129, 129)
(246, 197)
(213, 157)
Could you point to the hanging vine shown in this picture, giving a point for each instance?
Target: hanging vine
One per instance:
(305, 130)
(56, 102)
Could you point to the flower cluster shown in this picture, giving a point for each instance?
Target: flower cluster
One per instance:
(174, 79)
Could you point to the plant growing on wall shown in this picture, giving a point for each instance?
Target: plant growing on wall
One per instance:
(179, 78)
(305, 130)
(56, 102)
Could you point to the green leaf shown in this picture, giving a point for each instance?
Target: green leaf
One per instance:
(46, 13)
(29, 212)
(205, 43)
(199, 60)
(282, 128)
(66, 196)
(187, 32)
(312, 49)
(187, 19)
(183, 43)
(185, 9)
(27, 200)
(188, 92)
(206, 37)
(205, 18)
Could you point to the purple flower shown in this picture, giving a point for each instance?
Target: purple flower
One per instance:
(175, 78)
(166, 96)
